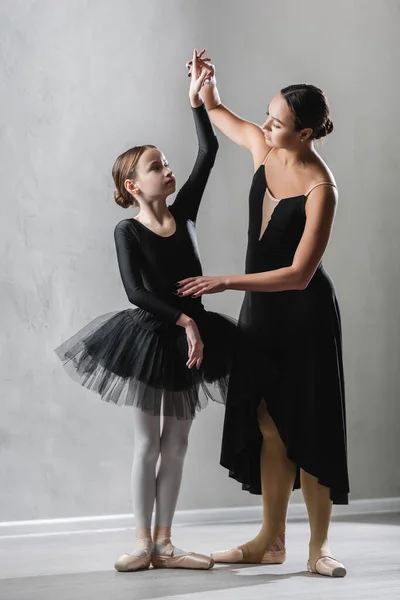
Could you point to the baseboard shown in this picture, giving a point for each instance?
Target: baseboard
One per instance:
(216, 516)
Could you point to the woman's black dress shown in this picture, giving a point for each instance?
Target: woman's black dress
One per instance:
(296, 365)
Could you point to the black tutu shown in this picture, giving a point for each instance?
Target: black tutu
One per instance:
(131, 358)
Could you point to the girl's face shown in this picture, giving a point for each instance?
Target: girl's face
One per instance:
(153, 177)
(279, 126)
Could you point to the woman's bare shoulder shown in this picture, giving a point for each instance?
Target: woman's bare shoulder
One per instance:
(320, 171)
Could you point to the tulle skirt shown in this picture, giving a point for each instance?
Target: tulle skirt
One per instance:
(131, 358)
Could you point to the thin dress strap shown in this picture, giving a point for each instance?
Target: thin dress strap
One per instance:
(268, 153)
(322, 183)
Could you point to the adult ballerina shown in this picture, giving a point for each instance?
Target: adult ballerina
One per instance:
(288, 431)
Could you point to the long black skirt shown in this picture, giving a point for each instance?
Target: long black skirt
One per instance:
(296, 367)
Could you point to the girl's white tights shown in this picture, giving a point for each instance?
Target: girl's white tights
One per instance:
(152, 443)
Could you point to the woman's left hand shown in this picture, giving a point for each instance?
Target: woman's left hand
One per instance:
(197, 286)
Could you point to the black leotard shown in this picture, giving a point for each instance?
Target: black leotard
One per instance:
(150, 265)
(138, 356)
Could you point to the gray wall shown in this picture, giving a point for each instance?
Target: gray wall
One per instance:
(82, 81)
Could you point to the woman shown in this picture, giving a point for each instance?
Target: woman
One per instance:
(156, 358)
(290, 430)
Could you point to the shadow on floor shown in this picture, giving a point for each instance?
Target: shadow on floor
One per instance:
(111, 585)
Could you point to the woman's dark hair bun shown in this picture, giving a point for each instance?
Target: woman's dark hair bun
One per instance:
(310, 109)
(325, 130)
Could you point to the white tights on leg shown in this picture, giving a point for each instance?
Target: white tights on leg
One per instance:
(143, 478)
(174, 443)
(148, 487)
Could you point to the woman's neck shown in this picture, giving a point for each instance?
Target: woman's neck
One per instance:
(298, 155)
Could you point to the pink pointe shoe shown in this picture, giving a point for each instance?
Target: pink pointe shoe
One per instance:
(164, 557)
(328, 566)
(129, 562)
(190, 560)
(276, 555)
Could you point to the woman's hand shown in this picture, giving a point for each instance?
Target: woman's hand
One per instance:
(197, 286)
(199, 74)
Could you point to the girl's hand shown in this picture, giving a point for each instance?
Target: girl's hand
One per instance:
(202, 63)
(197, 286)
(195, 345)
(197, 79)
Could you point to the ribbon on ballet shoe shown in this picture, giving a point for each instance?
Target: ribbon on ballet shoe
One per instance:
(162, 541)
(144, 543)
(274, 555)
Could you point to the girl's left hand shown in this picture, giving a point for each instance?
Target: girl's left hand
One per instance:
(203, 63)
(198, 75)
(197, 286)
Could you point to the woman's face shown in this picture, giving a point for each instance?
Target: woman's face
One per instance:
(279, 126)
(153, 179)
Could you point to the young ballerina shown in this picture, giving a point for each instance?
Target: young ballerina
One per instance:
(159, 356)
(292, 431)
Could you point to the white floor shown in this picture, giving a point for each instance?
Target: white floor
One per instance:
(79, 566)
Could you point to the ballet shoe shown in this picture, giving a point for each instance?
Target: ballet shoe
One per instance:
(328, 566)
(130, 562)
(190, 560)
(238, 556)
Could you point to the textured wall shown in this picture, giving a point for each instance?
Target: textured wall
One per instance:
(83, 80)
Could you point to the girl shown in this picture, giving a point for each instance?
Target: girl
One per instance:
(156, 358)
(294, 424)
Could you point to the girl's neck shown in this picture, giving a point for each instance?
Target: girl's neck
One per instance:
(153, 212)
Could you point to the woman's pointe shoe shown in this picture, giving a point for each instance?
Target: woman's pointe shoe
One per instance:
(190, 560)
(273, 556)
(327, 565)
(130, 562)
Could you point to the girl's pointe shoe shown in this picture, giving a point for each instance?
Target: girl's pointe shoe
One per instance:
(190, 560)
(273, 556)
(130, 562)
(327, 565)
